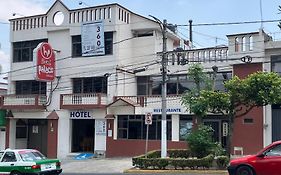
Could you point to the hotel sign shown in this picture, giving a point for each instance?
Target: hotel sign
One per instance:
(44, 62)
(80, 115)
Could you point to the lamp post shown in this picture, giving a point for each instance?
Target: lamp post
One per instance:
(163, 27)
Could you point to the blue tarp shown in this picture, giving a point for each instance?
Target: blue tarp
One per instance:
(84, 156)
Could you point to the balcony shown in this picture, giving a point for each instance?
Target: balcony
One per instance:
(154, 103)
(83, 101)
(23, 102)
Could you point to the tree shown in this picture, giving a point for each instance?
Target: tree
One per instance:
(202, 82)
(241, 95)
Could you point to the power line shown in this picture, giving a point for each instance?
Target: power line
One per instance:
(231, 23)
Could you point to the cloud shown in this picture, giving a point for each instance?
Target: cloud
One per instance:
(23, 7)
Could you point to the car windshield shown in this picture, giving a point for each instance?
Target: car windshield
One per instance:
(31, 155)
(1, 154)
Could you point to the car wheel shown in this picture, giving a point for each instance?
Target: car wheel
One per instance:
(244, 170)
(15, 173)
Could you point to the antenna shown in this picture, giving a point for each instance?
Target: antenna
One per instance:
(261, 14)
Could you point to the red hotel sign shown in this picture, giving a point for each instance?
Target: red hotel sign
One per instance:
(44, 62)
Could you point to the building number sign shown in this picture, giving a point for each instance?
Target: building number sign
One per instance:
(92, 38)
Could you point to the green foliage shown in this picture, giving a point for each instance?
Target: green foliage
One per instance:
(179, 153)
(199, 77)
(216, 101)
(222, 161)
(218, 150)
(159, 163)
(200, 141)
(193, 99)
(258, 89)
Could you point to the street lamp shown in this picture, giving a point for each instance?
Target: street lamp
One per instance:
(81, 3)
(163, 27)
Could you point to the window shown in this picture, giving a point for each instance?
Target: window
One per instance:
(221, 77)
(21, 129)
(77, 48)
(23, 51)
(152, 85)
(1, 154)
(244, 44)
(143, 34)
(90, 85)
(143, 85)
(275, 151)
(185, 126)
(133, 127)
(9, 157)
(236, 44)
(276, 64)
(30, 87)
(251, 43)
(248, 121)
(31, 155)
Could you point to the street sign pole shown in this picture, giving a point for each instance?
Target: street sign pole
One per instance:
(148, 121)
(146, 141)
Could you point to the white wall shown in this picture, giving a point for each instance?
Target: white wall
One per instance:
(2, 139)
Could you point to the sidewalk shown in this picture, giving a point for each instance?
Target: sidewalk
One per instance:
(96, 165)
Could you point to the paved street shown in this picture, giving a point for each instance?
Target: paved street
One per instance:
(139, 173)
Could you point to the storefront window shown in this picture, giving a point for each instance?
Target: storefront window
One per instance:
(133, 127)
(185, 126)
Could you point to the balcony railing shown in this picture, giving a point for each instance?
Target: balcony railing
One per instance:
(23, 102)
(153, 101)
(85, 101)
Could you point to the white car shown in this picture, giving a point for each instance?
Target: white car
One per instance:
(27, 161)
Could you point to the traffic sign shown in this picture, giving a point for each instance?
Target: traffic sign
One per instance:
(148, 118)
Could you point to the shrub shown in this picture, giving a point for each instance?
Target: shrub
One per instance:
(218, 150)
(200, 141)
(160, 163)
(179, 153)
(222, 162)
(206, 162)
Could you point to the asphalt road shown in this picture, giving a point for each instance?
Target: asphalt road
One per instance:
(132, 174)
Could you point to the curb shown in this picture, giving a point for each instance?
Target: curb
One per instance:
(169, 171)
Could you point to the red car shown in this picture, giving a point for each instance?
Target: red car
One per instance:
(265, 162)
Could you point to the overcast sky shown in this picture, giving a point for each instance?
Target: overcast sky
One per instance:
(175, 11)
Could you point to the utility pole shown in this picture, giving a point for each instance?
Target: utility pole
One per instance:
(163, 27)
(164, 93)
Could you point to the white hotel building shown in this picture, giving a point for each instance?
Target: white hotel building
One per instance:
(98, 103)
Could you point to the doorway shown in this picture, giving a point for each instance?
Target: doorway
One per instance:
(37, 135)
(83, 135)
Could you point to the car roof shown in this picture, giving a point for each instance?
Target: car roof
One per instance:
(277, 142)
(18, 150)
